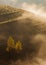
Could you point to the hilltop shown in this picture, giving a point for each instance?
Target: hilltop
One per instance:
(8, 13)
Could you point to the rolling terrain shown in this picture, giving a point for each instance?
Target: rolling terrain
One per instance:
(27, 28)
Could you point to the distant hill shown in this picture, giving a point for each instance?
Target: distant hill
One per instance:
(7, 13)
(17, 21)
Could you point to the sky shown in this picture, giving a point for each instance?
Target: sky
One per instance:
(35, 6)
(18, 3)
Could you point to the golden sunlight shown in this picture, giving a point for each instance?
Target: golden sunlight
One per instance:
(40, 11)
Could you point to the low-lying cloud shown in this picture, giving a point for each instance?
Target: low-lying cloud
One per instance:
(36, 9)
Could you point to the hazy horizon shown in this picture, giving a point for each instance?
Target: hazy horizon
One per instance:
(38, 7)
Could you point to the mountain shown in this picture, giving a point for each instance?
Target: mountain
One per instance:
(25, 27)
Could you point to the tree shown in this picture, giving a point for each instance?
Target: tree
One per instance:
(18, 46)
(10, 43)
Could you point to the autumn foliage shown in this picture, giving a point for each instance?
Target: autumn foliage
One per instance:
(12, 45)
